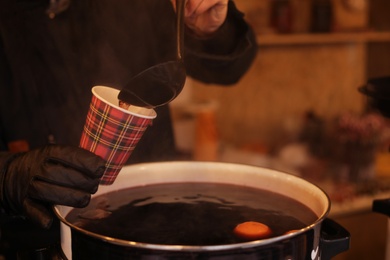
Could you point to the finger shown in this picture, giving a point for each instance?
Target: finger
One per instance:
(69, 177)
(173, 2)
(77, 158)
(207, 17)
(199, 7)
(191, 7)
(38, 213)
(54, 194)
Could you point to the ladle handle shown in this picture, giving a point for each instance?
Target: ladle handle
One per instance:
(180, 4)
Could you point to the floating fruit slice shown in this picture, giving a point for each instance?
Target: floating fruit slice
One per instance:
(252, 230)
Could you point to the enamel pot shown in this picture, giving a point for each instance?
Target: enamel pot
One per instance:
(321, 239)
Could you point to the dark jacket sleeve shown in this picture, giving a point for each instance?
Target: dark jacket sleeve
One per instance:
(224, 58)
(5, 157)
(10, 108)
(3, 73)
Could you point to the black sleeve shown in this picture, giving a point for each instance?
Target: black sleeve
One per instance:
(10, 120)
(5, 158)
(3, 73)
(226, 56)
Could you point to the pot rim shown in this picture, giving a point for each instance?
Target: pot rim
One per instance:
(194, 248)
(243, 245)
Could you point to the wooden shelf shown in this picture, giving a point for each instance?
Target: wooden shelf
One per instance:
(322, 38)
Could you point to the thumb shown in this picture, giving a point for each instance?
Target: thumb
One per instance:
(38, 213)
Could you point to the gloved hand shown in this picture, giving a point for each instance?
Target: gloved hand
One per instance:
(32, 182)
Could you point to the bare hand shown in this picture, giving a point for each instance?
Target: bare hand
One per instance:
(204, 17)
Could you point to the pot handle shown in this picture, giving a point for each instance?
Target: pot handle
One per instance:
(381, 206)
(334, 239)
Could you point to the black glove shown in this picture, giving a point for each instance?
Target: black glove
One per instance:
(32, 182)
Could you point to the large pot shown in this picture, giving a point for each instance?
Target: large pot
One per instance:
(320, 240)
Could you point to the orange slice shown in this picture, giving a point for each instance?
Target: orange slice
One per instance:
(252, 230)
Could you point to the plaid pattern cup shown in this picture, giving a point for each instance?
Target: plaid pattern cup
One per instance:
(113, 132)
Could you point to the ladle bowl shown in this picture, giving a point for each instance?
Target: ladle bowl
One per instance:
(161, 83)
(155, 86)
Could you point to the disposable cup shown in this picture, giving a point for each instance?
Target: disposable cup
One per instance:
(113, 132)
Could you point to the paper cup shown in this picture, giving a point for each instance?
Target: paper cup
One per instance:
(113, 132)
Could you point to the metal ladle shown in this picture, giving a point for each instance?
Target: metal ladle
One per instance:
(161, 83)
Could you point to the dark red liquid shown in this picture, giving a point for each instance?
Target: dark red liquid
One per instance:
(189, 213)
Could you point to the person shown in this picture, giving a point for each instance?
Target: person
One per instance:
(52, 53)
(52, 59)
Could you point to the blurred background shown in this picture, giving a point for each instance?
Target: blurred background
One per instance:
(298, 109)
